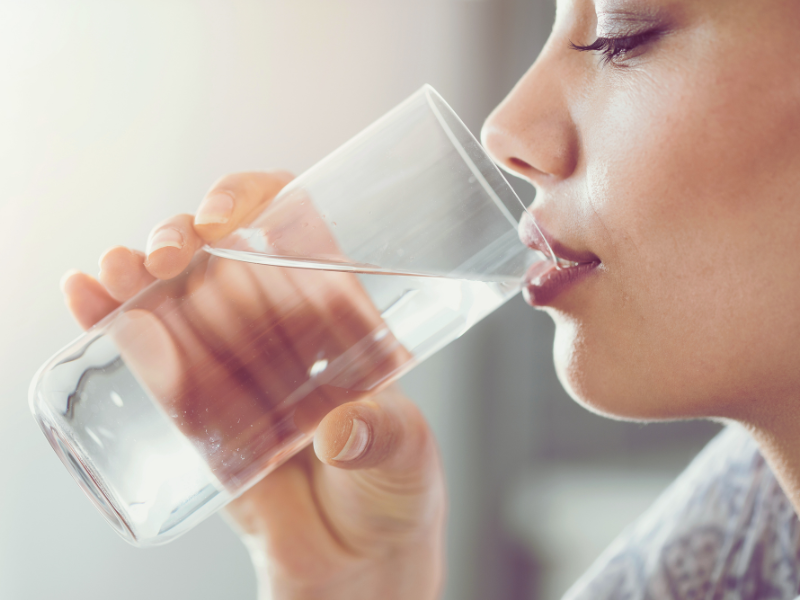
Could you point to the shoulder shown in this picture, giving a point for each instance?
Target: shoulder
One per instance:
(723, 529)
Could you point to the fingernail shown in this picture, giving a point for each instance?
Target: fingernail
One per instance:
(356, 443)
(63, 283)
(215, 209)
(167, 237)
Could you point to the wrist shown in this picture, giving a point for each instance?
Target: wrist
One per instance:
(414, 573)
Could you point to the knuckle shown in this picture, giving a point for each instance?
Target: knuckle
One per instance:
(252, 185)
(281, 176)
(183, 219)
(232, 183)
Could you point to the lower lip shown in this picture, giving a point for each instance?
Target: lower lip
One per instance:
(544, 282)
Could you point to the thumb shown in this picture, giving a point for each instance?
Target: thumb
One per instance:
(388, 485)
(386, 431)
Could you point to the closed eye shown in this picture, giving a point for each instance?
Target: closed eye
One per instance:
(616, 49)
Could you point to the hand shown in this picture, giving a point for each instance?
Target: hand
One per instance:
(360, 516)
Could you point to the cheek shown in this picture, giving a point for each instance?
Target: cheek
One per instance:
(691, 195)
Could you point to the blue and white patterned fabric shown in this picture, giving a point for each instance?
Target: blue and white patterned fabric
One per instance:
(724, 530)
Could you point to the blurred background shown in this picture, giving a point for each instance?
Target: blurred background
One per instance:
(115, 115)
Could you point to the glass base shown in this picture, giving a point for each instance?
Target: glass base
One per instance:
(76, 465)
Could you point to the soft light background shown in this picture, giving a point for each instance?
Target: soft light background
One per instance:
(114, 115)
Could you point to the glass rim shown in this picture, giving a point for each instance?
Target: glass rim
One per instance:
(436, 103)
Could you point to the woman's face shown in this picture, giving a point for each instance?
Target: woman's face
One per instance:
(674, 159)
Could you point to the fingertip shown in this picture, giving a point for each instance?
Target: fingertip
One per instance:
(122, 272)
(214, 215)
(170, 247)
(86, 298)
(65, 283)
(234, 200)
(113, 265)
(165, 263)
(361, 434)
(343, 439)
(399, 438)
(357, 442)
(164, 237)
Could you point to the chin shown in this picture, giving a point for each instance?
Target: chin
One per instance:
(613, 385)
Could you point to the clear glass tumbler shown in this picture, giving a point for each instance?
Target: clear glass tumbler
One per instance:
(364, 266)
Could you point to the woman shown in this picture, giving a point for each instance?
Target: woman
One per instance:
(663, 137)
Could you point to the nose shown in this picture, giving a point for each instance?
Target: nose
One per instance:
(532, 132)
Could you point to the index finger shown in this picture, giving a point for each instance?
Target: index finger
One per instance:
(234, 200)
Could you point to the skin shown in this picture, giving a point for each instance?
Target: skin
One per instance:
(677, 164)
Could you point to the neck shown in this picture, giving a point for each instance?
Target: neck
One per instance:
(779, 442)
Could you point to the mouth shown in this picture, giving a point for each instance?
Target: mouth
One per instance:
(547, 280)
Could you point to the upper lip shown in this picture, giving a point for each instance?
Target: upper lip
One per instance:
(531, 232)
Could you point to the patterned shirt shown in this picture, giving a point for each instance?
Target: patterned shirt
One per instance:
(724, 530)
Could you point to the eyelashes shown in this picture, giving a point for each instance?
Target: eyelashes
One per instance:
(616, 49)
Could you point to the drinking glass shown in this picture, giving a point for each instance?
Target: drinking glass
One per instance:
(365, 265)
